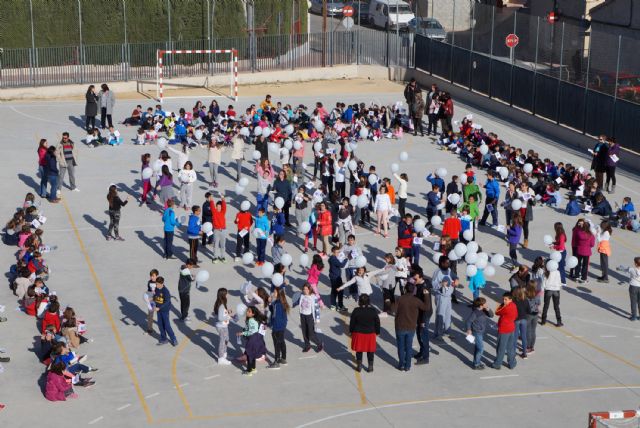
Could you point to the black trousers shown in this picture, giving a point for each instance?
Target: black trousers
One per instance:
(90, 122)
(279, 345)
(611, 175)
(525, 229)
(433, 124)
(370, 356)
(401, 206)
(185, 302)
(341, 188)
(103, 115)
(242, 244)
(548, 296)
(309, 330)
(417, 126)
(337, 297)
(193, 249)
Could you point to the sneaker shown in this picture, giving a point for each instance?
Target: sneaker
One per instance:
(332, 307)
(222, 260)
(306, 349)
(237, 259)
(85, 383)
(479, 367)
(559, 324)
(162, 342)
(174, 343)
(343, 309)
(223, 362)
(149, 332)
(109, 238)
(605, 281)
(282, 362)
(524, 356)
(187, 319)
(216, 261)
(422, 361)
(248, 373)
(119, 238)
(82, 359)
(3, 319)
(93, 369)
(5, 359)
(274, 366)
(76, 190)
(319, 348)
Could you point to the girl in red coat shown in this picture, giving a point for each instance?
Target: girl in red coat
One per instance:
(325, 228)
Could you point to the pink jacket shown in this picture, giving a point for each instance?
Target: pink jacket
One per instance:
(56, 387)
(261, 171)
(313, 276)
(584, 243)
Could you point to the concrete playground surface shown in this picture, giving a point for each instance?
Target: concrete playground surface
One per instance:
(588, 365)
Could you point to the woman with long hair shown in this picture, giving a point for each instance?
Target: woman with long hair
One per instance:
(223, 316)
(42, 163)
(533, 298)
(364, 327)
(604, 232)
(115, 204)
(583, 241)
(166, 186)
(106, 100)
(255, 346)
(560, 244)
(91, 107)
(520, 299)
(514, 232)
(279, 309)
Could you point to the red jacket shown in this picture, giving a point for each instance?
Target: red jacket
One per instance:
(405, 235)
(508, 315)
(41, 152)
(219, 219)
(50, 318)
(452, 228)
(583, 242)
(244, 220)
(325, 223)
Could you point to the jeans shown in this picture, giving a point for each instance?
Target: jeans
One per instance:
(223, 339)
(185, 302)
(168, 244)
(423, 338)
(479, 349)
(53, 184)
(634, 298)
(262, 245)
(521, 330)
(505, 345)
(562, 267)
(279, 345)
(213, 170)
(43, 182)
(513, 254)
(548, 295)
(238, 168)
(494, 211)
(404, 342)
(337, 297)
(165, 326)
(532, 323)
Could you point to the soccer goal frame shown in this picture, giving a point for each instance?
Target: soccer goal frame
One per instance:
(614, 418)
(233, 62)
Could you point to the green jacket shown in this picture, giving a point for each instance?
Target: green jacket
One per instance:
(471, 190)
(474, 211)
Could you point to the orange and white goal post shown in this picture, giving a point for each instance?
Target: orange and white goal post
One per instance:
(618, 418)
(233, 61)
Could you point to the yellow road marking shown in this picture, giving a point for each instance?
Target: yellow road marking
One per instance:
(105, 305)
(174, 370)
(363, 395)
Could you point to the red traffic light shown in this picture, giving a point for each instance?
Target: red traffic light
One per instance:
(553, 17)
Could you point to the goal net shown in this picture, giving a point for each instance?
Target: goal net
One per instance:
(618, 419)
(228, 75)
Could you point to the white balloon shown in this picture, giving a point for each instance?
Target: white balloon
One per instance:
(297, 145)
(497, 259)
(241, 309)
(247, 258)
(484, 149)
(202, 276)
(319, 125)
(581, 170)
(244, 131)
(489, 271)
(472, 247)
(207, 227)
(256, 155)
(257, 131)
(483, 256)
(239, 189)
(454, 198)
(288, 144)
(373, 179)
(441, 172)
(277, 279)
(364, 133)
(471, 258)
(552, 265)
(348, 148)
(527, 168)
(572, 262)
(267, 269)
(504, 172)
(419, 225)
(304, 260)
(147, 173)
(245, 206)
(472, 270)
(162, 143)
(244, 181)
(257, 233)
(363, 201)
(157, 165)
(452, 255)
(353, 146)
(286, 259)
(353, 200)
(556, 256)
(468, 235)
(304, 227)
(436, 257)
(547, 239)
(274, 148)
(436, 220)
(395, 167)
(516, 204)
(279, 202)
(288, 129)
(404, 156)
(481, 263)
(361, 261)
(266, 132)
(353, 165)
(460, 249)
(317, 146)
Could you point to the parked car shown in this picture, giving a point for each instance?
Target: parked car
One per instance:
(334, 8)
(390, 13)
(428, 27)
(628, 84)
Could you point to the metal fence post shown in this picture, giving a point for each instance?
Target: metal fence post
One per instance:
(513, 60)
(453, 41)
(33, 47)
(473, 21)
(559, 76)
(615, 92)
(126, 59)
(493, 19)
(535, 70)
(586, 88)
(80, 60)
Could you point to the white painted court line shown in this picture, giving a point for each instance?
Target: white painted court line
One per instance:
(211, 377)
(604, 324)
(33, 117)
(607, 335)
(181, 385)
(573, 335)
(308, 358)
(499, 377)
(96, 420)
(123, 407)
(155, 394)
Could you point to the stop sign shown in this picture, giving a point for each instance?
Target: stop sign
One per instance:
(511, 40)
(347, 11)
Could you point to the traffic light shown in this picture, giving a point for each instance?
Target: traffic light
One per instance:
(553, 17)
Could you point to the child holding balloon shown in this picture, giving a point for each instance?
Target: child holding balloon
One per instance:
(146, 173)
(261, 232)
(313, 276)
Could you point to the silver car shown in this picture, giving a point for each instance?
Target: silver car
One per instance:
(428, 27)
(334, 8)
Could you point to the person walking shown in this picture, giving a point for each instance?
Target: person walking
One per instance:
(106, 101)
(162, 301)
(364, 327)
(90, 108)
(115, 204)
(507, 313)
(67, 157)
(406, 319)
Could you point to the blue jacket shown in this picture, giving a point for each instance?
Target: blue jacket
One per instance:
(436, 180)
(278, 318)
(263, 223)
(336, 266)
(277, 223)
(513, 234)
(51, 165)
(573, 208)
(169, 219)
(162, 299)
(493, 189)
(433, 200)
(194, 226)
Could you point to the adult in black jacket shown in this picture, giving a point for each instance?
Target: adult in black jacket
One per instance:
(422, 328)
(282, 189)
(452, 187)
(524, 310)
(262, 146)
(115, 204)
(599, 163)
(207, 216)
(364, 327)
(91, 107)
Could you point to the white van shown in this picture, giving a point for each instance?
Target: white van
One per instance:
(390, 13)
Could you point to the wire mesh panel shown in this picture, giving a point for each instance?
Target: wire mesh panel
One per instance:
(15, 68)
(483, 17)
(629, 70)
(603, 62)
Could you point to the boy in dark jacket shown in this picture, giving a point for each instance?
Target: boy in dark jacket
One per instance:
(184, 289)
(335, 276)
(162, 301)
(207, 216)
(194, 228)
(476, 326)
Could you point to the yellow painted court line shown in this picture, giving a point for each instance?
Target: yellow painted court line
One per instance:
(174, 370)
(626, 244)
(363, 395)
(105, 305)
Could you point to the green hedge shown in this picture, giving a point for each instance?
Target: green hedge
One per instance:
(56, 21)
